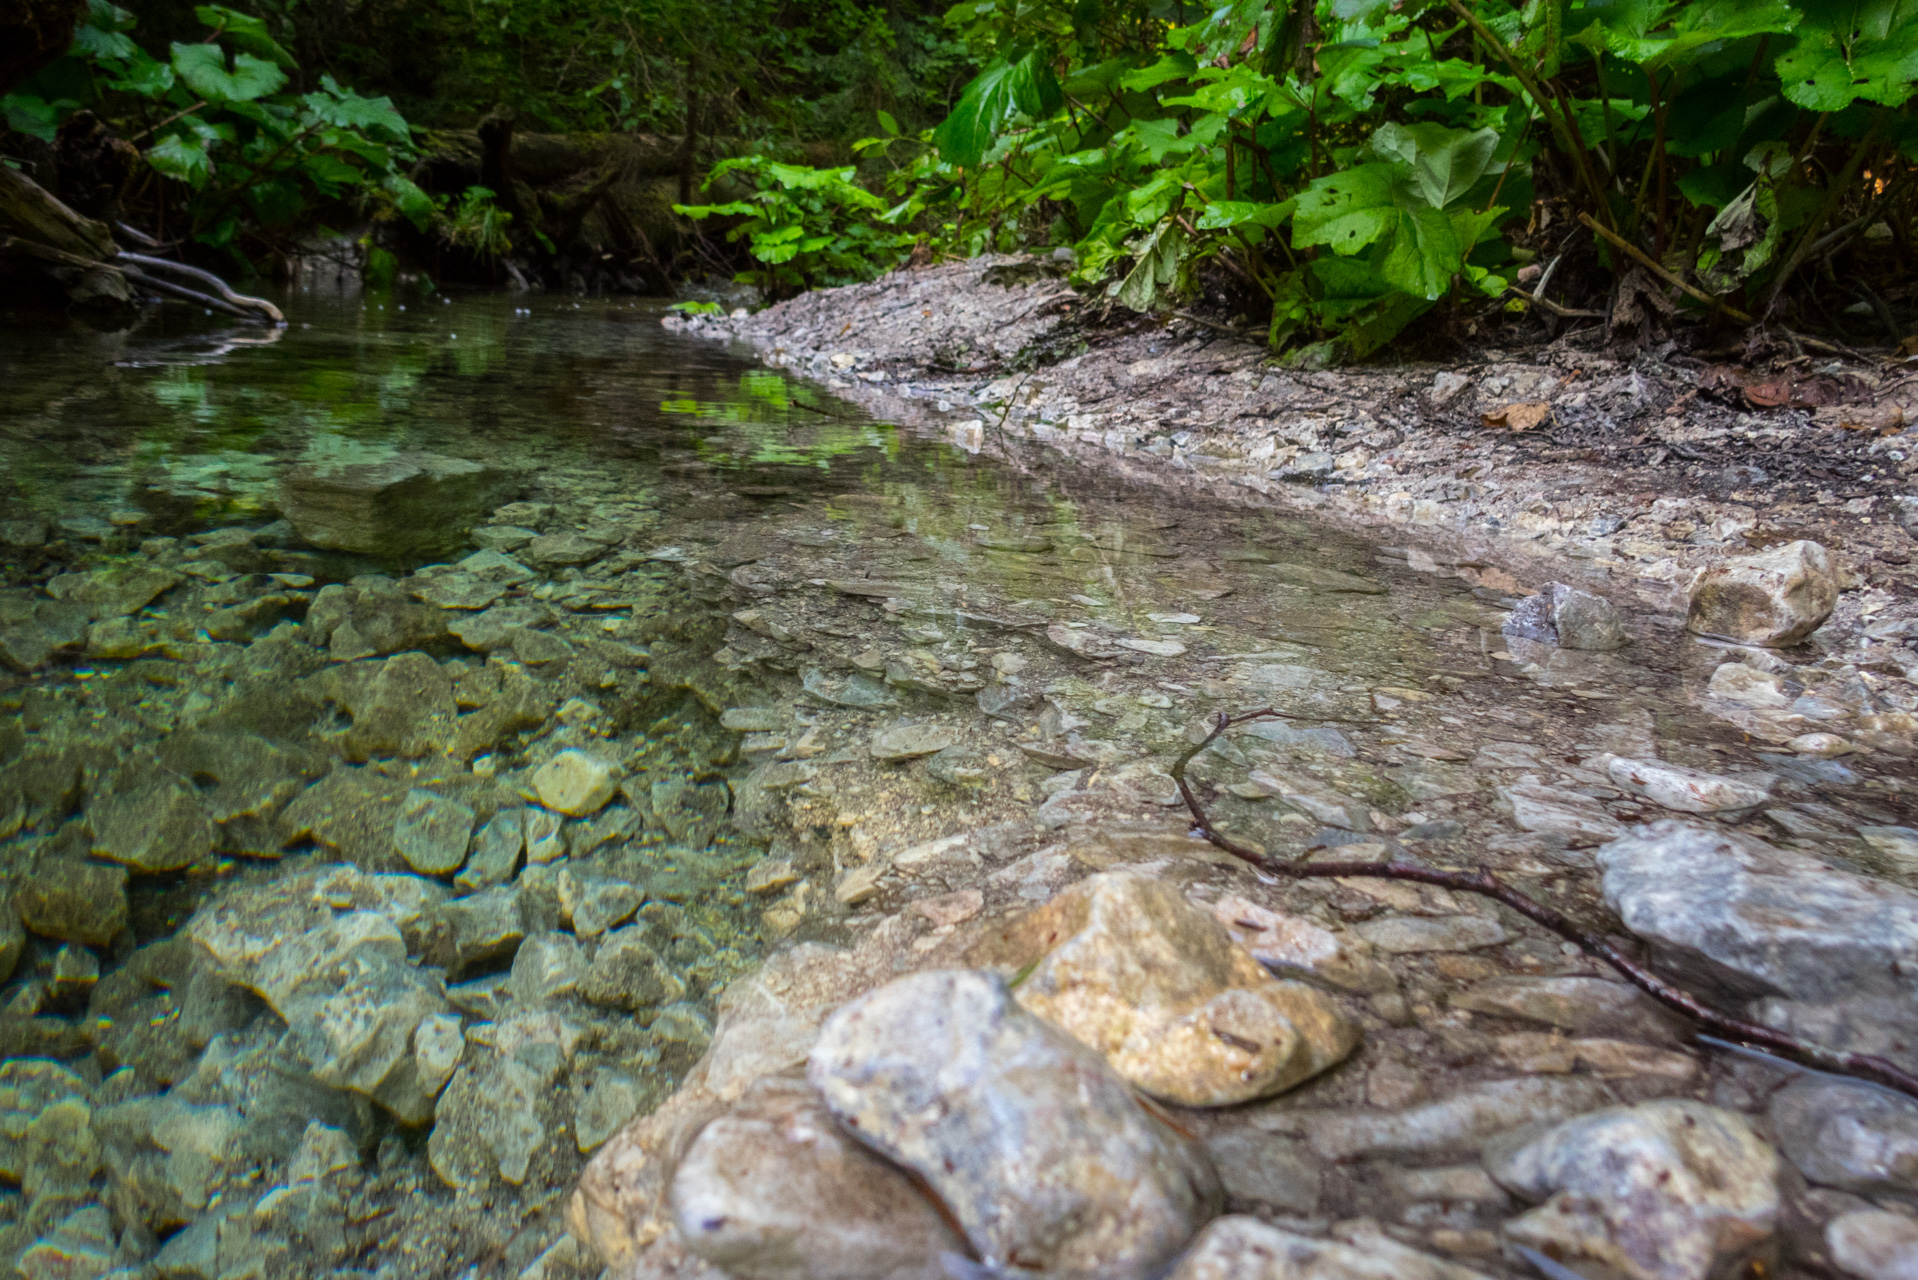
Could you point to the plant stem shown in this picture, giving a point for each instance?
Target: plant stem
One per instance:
(1650, 264)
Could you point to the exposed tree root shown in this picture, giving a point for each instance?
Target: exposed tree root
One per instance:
(1740, 1032)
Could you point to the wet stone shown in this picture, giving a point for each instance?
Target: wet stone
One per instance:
(557, 550)
(1567, 617)
(409, 504)
(546, 966)
(593, 904)
(73, 901)
(909, 742)
(626, 973)
(432, 832)
(497, 627)
(1035, 1145)
(1666, 1190)
(114, 591)
(576, 783)
(496, 850)
(157, 827)
(774, 1190)
(1775, 598)
(604, 1109)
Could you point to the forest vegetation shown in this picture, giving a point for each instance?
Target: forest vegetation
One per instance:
(1329, 170)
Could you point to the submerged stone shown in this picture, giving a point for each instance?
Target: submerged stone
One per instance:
(576, 783)
(409, 504)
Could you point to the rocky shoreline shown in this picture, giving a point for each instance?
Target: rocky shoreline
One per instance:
(1641, 471)
(694, 867)
(1427, 1087)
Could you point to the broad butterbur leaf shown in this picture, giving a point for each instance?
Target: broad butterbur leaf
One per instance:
(1852, 50)
(1347, 211)
(1004, 89)
(244, 31)
(182, 158)
(1445, 162)
(204, 69)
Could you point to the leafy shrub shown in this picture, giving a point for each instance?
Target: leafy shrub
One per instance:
(806, 226)
(216, 121)
(1358, 161)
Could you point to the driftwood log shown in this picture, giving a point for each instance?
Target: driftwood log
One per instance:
(80, 255)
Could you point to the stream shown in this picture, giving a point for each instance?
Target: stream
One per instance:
(382, 828)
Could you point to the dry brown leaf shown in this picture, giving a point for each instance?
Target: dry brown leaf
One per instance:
(1884, 420)
(1520, 415)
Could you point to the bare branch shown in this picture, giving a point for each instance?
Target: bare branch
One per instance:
(1483, 883)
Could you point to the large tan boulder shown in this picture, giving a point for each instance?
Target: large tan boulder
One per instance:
(1774, 598)
(1129, 966)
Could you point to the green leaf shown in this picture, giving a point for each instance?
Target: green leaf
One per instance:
(182, 158)
(414, 204)
(1173, 66)
(148, 77)
(1852, 50)
(1155, 269)
(97, 42)
(997, 94)
(698, 211)
(1346, 211)
(1221, 214)
(1424, 255)
(245, 31)
(1445, 162)
(33, 116)
(347, 110)
(1660, 33)
(203, 68)
(890, 125)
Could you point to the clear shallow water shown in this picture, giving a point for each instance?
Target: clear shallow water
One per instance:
(757, 548)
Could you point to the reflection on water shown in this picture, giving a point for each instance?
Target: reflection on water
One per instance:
(363, 897)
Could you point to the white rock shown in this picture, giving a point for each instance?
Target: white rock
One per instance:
(1556, 811)
(1244, 1248)
(438, 1043)
(1667, 1190)
(1039, 1149)
(774, 1190)
(1872, 1244)
(1689, 790)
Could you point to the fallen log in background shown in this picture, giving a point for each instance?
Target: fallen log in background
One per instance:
(80, 255)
